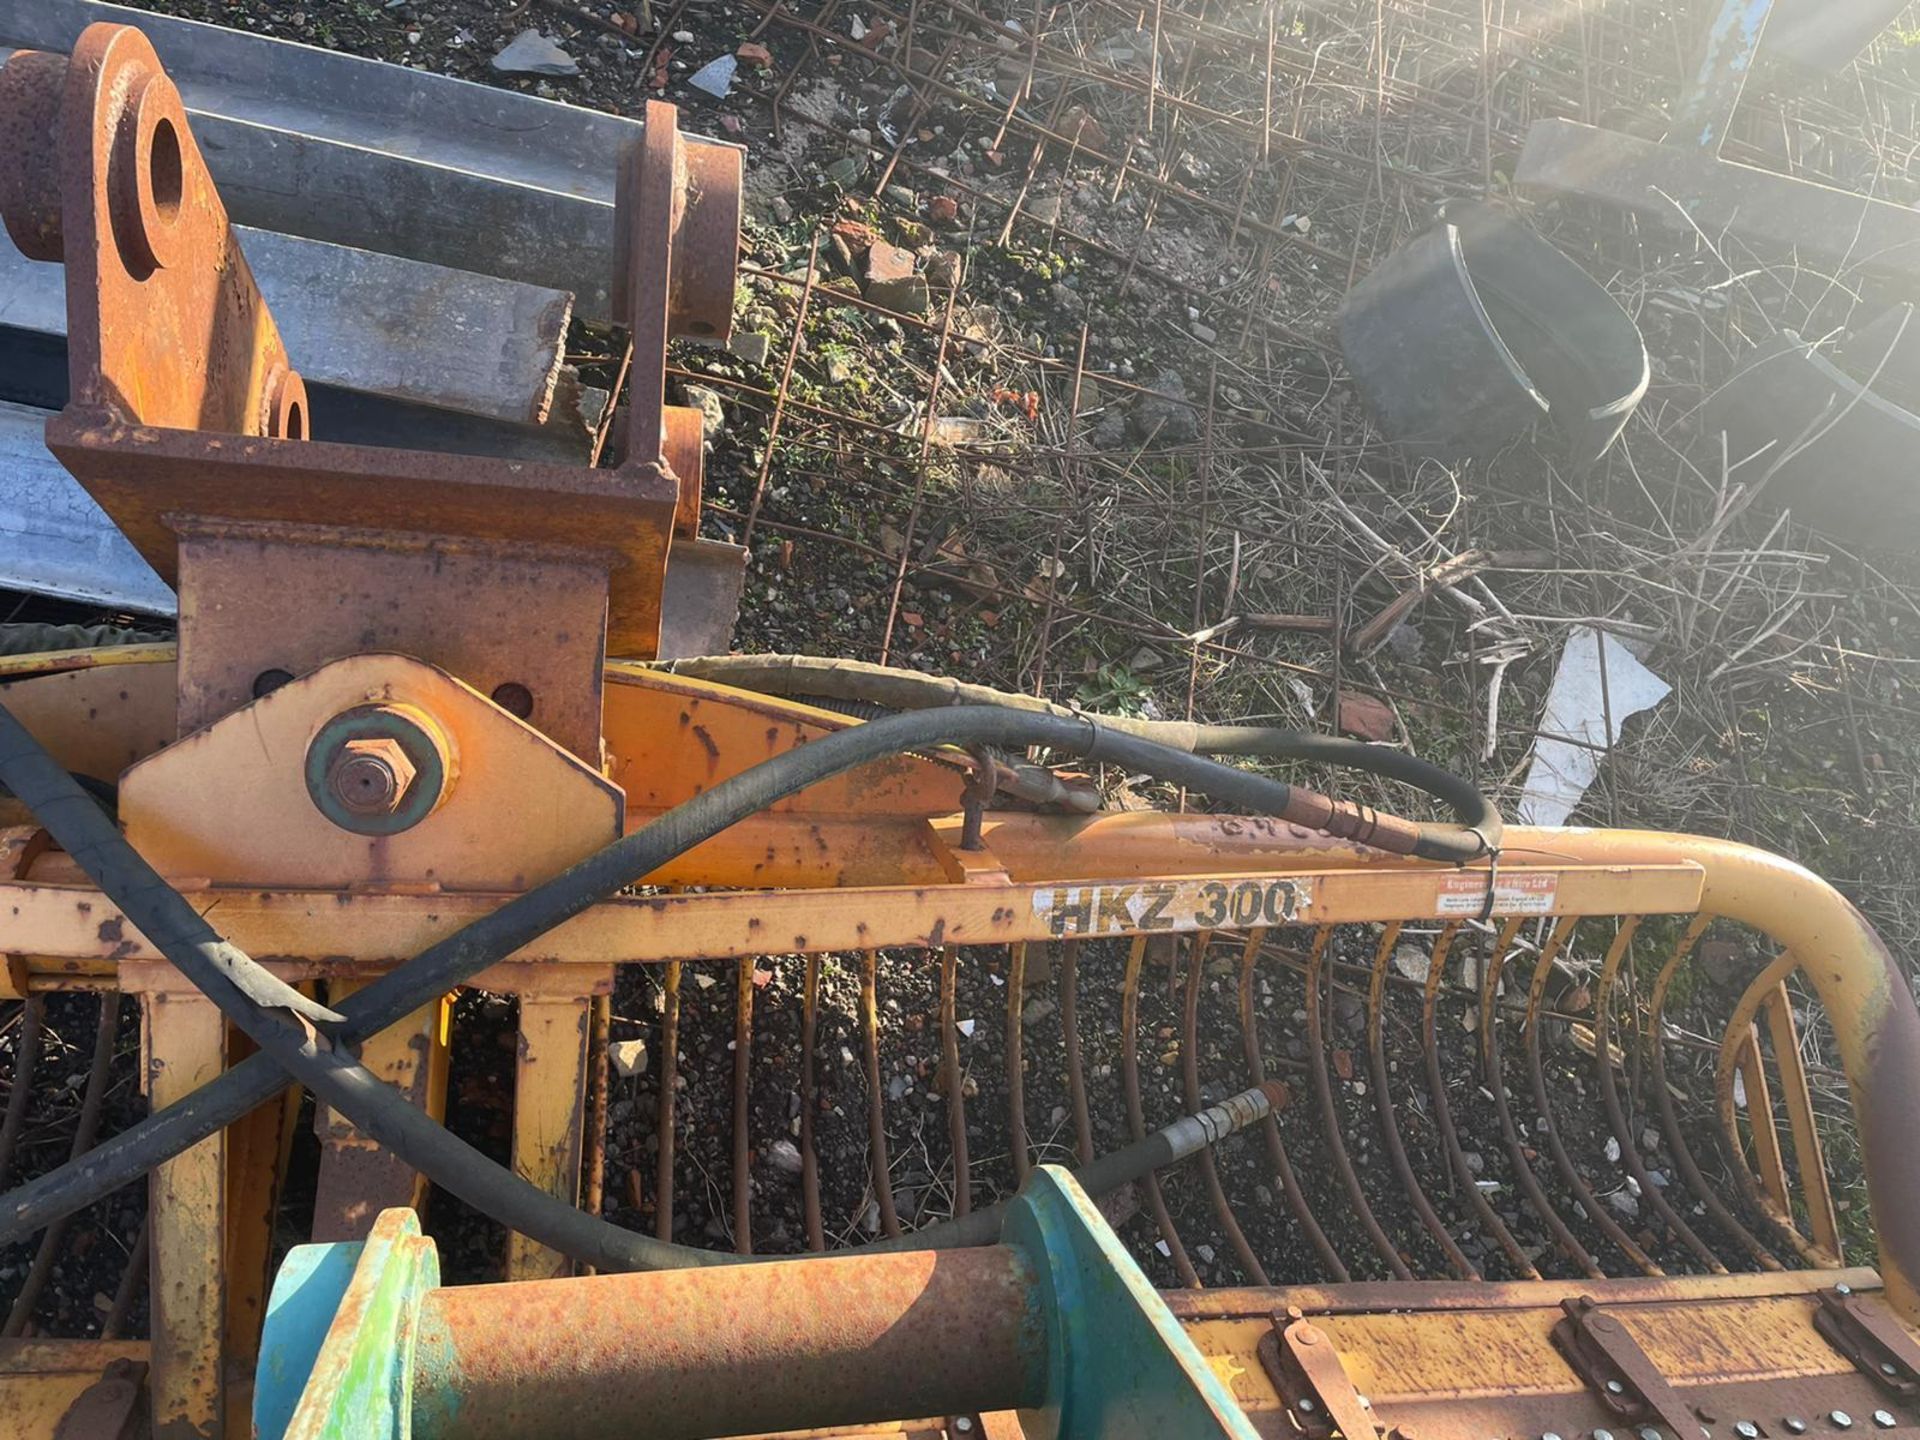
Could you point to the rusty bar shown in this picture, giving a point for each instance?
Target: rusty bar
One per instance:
(1463, 1268)
(742, 1104)
(1270, 1124)
(780, 391)
(1136, 1115)
(1768, 1160)
(132, 1279)
(1569, 1172)
(1740, 1047)
(26, 1058)
(1034, 157)
(921, 469)
(1809, 1159)
(257, 1150)
(879, 1168)
(593, 1179)
(669, 1085)
(86, 1127)
(188, 1209)
(1683, 1159)
(1616, 1114)
(1190, 1074)
(1497, 1085)
(956, 1079)
(739, 1350)
(1016, 1078)
(1076, 1072)
(809, 1102)
(1464, 1178)
(1330, 1117)
(549, 1103)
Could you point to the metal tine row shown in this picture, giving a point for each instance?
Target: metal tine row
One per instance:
(1742, 1049)
(1260, 954)
(1442, 1196)
(1670, 1126)
(86, 1132)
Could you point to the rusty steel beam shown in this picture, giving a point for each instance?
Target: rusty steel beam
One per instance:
(733, 1350)
(110, 180)
(374, 323)
(339, 148)
(1691, 190)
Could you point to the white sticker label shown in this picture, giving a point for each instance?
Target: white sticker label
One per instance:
(1466, 894)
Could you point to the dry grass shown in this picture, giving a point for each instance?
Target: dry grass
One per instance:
(1124, 571)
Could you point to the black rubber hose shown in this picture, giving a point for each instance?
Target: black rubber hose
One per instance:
(814, 679)
(1472, 811)
(377, 1109)
(77, 823)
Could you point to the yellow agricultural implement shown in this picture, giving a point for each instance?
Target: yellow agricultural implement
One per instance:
(389, 757)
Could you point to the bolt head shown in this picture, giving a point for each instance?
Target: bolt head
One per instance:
(1887, 1367)
(1884, 1419)
(1746, 1430)
(370, 776)
(1603, 1435)
(1549, 1435)
(1306, 1405)
(1614, 1387)
(1796, 1425)
(1843, 1289)
(1841, 1419)
(1649, 1432)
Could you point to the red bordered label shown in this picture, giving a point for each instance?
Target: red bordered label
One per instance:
(1466, 894)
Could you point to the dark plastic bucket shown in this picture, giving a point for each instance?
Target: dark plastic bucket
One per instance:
(1477, 329)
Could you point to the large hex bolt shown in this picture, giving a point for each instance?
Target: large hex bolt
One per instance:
(370, 777)
(379, 769)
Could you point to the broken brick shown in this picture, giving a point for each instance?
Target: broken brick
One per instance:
(887, 263)
(1082, 129)
(943, 210)
(858, 234)
(753, 53)
(1364, 716)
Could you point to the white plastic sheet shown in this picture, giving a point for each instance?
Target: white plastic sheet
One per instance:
(1588, 710)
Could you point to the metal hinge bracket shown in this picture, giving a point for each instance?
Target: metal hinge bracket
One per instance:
(1314, 1384)
(1622, 1375)
(1865, 1332)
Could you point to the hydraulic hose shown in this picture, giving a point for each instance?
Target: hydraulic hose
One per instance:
(1104, 1174)
(318, 1058)
(810, 676)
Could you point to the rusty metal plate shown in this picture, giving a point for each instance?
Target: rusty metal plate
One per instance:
(232, 802)
(1444, 1361)
(98, 720)
(171, 349)
(494, 614)
(141, 476)
(701, 598)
